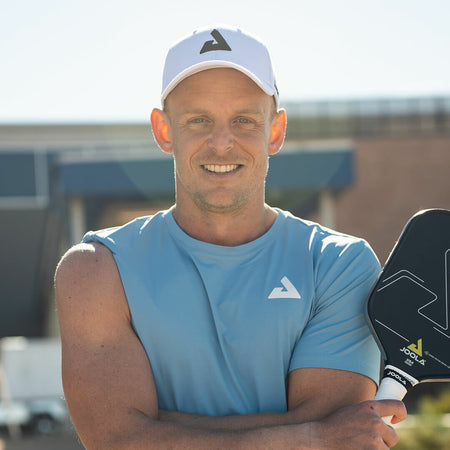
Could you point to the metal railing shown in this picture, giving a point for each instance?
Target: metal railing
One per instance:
(371, 117)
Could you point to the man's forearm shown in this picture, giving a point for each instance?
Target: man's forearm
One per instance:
(233, 422)
(352, 427)
(162, 434)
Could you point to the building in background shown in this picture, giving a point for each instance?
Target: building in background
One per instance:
(401, 154)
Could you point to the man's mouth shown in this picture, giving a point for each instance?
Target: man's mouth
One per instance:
(221, 168)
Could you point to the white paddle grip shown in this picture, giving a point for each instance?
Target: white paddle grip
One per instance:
(390, 390)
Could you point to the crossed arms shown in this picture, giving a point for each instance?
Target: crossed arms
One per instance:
(111, 394)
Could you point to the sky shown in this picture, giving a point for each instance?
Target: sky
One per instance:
(83, 61)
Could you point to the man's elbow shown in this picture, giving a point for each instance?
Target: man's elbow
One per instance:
(134, 431)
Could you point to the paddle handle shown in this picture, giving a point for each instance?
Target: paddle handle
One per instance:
(390, 389)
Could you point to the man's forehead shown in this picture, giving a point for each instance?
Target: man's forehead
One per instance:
(229, 84)
(214, 76)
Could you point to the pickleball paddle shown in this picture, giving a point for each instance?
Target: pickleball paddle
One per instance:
(408, 308)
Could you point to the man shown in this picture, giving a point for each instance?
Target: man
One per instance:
(222, 322)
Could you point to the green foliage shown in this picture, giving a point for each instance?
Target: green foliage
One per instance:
(426, 435)
(428, 430)
(438, 405)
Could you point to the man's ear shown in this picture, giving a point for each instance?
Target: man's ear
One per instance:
(277, 131)
(161, 130)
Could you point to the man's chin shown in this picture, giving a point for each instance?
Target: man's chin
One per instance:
(220, 206)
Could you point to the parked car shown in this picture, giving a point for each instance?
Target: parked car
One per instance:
(31, 393)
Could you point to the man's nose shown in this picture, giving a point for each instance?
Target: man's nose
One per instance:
(221, 139)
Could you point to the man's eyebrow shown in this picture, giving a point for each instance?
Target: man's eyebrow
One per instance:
(252, 111)
(189, 111)
(185, 113)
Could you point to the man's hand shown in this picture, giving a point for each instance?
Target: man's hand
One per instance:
(359, 427)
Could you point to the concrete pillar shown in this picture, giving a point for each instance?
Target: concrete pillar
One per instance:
(51, 325)
(327, 216)
(77, 220)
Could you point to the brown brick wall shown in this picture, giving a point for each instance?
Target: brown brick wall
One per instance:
(395, 178)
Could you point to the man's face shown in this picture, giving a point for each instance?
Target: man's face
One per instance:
(220, 125)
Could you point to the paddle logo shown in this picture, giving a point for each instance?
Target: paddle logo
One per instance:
(414, 353)
(416, 348)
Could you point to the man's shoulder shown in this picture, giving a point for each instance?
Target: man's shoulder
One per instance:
(325, 243)
(318, 232)
(127, 233)
(84, 261)
(87, 281)
(94, 259)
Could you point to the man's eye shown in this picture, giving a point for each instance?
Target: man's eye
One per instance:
(242, 120)
(198, 120)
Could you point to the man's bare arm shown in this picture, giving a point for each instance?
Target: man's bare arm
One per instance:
(108, 381)
(106, 376)
(313, 394)
(109, 384)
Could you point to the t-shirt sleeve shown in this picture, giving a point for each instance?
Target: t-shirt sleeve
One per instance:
(105, 237)
(337, 335)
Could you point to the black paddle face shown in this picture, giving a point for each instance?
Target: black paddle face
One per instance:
(409, 306)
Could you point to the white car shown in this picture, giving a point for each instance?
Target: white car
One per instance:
(43, 415)
(14, 413)
(46, 415)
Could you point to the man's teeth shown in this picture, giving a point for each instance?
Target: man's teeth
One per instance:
(222, 168)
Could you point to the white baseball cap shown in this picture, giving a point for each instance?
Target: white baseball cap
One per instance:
(219, 46)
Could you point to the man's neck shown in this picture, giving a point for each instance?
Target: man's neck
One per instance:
(228, 229)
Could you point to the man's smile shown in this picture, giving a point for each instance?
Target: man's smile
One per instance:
(221, 168)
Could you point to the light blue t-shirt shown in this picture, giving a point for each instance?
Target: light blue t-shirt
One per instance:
(224, 326)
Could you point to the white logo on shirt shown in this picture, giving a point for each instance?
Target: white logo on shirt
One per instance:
(287, 291)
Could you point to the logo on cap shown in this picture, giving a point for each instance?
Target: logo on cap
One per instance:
(218, 44)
